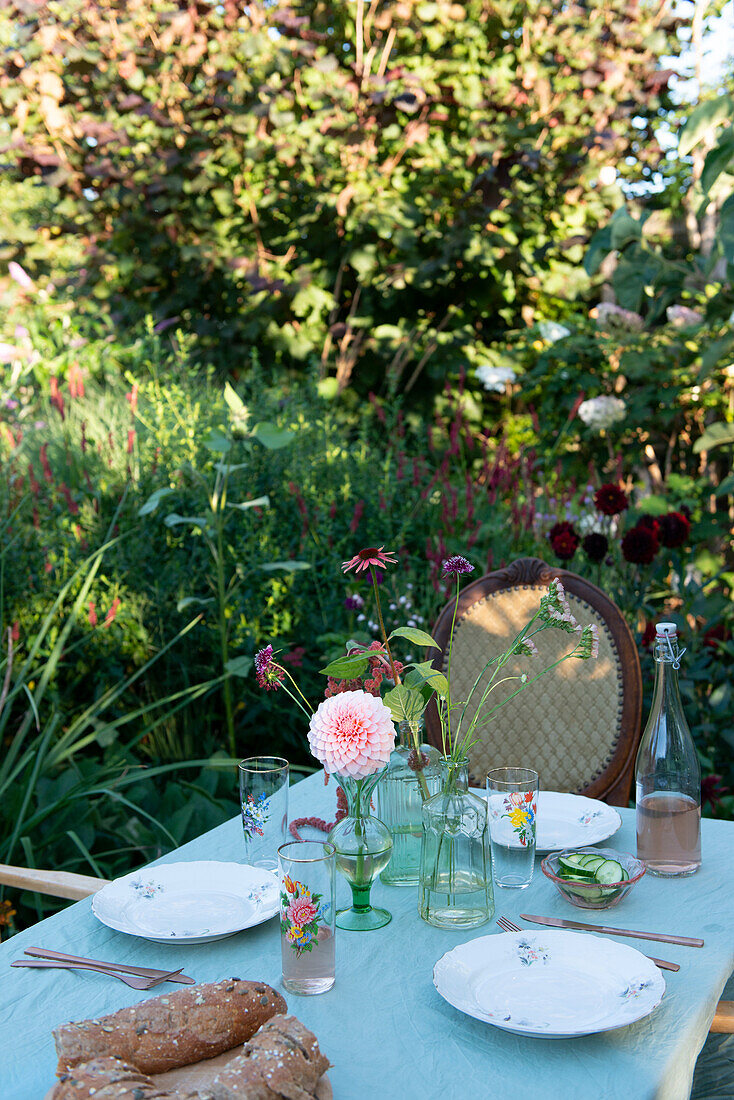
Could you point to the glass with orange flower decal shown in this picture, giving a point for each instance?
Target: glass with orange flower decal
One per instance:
(512, 800)
(307, 914)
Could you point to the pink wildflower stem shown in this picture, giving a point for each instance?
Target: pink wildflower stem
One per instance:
(307, 709)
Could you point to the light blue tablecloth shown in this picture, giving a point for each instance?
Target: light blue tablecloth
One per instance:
(385, 1028)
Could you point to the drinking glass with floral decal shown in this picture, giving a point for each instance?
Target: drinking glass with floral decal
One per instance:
(307, 911)
(512, 800)
(264, 802)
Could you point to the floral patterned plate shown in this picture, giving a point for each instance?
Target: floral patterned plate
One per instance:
(551, 985)
(571, 821)
(188, 902)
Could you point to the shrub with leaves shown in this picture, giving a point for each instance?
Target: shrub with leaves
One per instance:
(382, 188)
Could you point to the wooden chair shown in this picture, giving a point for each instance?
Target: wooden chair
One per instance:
(580, 725)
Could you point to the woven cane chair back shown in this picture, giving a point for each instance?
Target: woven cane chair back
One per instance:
(579, 725)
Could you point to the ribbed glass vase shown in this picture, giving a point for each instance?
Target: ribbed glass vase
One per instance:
(363, 847)
(410, 779)
(456, 865)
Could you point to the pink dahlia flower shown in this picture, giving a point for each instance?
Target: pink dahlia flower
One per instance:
(302, 911)
(352, 734)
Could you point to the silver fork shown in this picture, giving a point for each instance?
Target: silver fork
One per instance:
(508, 926)
(129, 979)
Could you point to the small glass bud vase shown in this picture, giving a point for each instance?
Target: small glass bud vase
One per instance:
(363, 848)
(456, 864)
(412, 776)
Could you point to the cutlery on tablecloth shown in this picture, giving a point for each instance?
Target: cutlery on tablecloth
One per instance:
(139, 971)
(659, 937)
(129, 979)
(509, 926)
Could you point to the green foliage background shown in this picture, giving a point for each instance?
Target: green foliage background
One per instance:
(390, 186)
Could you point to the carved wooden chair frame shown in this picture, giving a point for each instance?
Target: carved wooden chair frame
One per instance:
(614, 782)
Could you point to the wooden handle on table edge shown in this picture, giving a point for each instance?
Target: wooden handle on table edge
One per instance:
(59, 884)
(723, 1022)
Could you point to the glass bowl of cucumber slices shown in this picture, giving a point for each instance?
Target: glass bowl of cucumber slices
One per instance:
(593, 878)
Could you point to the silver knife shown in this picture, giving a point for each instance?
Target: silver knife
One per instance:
(659, 937)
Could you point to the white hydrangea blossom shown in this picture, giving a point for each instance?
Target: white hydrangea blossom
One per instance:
(495, 378)
(609, 315)
(602, 412)
(683, 315)
(552, 331)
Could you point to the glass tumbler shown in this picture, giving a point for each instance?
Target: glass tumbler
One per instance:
(264, 802)
(512, 800)
(307, 915)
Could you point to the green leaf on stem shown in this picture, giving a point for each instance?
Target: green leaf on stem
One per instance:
(347, 668)
(175, 520)
(258, 502)
(412, 634)
(286, 566)
(271, 436)
(153, 501)
(238, 666)
(716, 435)
(426, 674)
(406, 704)
(215, 440)
(193, 601)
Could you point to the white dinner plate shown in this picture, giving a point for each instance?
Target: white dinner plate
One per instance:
(551, 985)
(188, 902)
(571, 821)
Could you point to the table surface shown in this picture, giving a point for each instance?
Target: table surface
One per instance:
(383, 1023)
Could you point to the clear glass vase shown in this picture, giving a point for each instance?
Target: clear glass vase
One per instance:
(363, 848)
(456, 865)
(400, 796)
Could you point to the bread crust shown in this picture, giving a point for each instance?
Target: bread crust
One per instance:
(174, 1029)
(281, 1062)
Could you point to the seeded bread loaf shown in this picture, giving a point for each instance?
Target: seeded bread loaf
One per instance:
(281, 1062)
(107, 1079)
(174, 1029)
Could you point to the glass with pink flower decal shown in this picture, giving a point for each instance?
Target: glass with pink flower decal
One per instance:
(512, 801)
(307, 915)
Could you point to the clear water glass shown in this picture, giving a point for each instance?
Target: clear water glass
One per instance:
(264, 804)
(307, 915)
(512, 801)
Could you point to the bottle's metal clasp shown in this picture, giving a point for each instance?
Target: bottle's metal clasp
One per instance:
(674, 654)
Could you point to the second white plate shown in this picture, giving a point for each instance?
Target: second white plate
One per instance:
(551, 985)
(188, 902)
(571, 821)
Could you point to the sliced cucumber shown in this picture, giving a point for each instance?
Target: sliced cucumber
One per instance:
(565, 866)
(609, 872)
(592, 863)
(573, 857)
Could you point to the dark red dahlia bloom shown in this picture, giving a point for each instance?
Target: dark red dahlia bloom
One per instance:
(610, 500)
(648, 635)
(674, 529)
(595, 546)
(650, 523)
(715, 634)
(640, 545)
(563, 539)
(712, 790)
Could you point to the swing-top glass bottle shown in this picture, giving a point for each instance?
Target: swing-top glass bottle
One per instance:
(668, 774)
